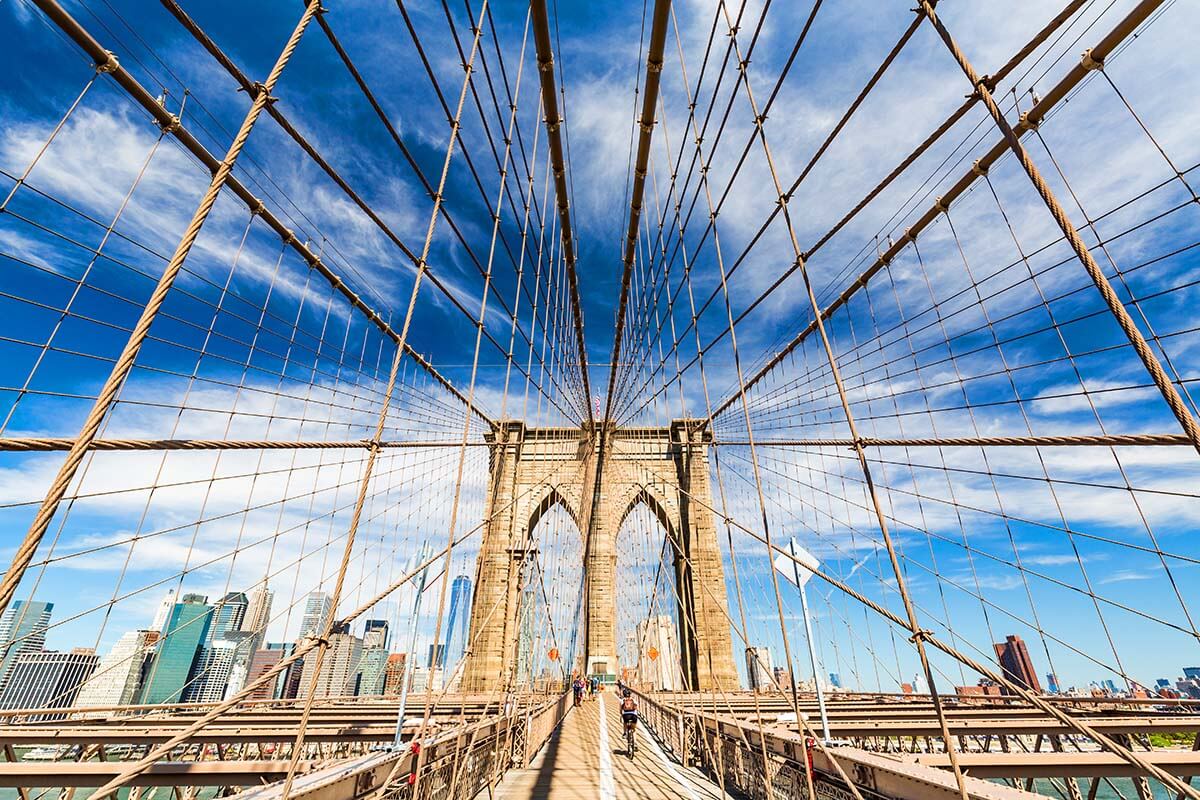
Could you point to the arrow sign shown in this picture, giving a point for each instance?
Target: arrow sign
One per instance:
(789, 568)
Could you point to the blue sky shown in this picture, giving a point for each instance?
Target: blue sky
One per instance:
(902, 378)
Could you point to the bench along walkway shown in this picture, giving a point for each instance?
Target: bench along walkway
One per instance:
(585, 759)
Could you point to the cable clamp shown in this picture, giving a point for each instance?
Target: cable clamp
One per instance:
(318, 641)
(110, 64)
(1028, 122)
(921, 636)
(254, 89)
(171, 125)
(1090, 62)
(547, 65)
(940, 205)
(978, 169)
(654, 66)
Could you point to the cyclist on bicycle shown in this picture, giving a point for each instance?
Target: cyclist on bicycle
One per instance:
(629, 712)
(629, 718)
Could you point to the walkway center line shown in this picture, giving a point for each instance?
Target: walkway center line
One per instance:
(668, 765)
(608, 790)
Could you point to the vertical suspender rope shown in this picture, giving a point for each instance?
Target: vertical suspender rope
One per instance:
(124, 363)
(917, 633)
(483, 307)
(422, 263)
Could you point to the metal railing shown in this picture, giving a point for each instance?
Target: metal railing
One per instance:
(457, 764)
(765, 763)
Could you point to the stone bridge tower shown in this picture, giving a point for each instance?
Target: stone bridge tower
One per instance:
(599, 477)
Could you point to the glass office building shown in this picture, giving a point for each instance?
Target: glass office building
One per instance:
(185, 632)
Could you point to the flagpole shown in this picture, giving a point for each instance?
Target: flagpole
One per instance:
(812, 649)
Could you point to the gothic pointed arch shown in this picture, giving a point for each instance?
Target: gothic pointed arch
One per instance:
(599, 476)
(549, 499)
(648, 496)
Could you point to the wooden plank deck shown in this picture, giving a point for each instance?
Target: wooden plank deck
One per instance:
(585, 760)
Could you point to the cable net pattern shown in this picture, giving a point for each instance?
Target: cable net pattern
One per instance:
(916, 378)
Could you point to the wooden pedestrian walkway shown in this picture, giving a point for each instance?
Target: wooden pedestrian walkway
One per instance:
(585, 759)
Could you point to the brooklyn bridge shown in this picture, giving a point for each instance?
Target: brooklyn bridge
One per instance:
(872, 474)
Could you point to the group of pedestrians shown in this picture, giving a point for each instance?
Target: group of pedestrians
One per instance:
(585, 686)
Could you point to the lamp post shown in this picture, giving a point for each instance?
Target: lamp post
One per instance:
(802, 556)
(410, 653)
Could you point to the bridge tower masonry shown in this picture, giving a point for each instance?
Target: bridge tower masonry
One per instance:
(599, 476)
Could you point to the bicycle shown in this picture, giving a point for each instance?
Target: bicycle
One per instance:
(630, 737)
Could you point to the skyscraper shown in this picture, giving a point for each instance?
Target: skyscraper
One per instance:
(118, 676)
(1014, 660)
(262, 662)
(185, 631)
(372, 672)
(316, 614)
(258, 612)
(338, 668)
(163, 612)
(46, 679)
(393, 674)
(758, 667)
(210, 675)
(228, 616)
(437, 656)
(375, 634)
(460, 618)
(22, 630)
(289, 680)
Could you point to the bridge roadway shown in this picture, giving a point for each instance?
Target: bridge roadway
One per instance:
(585, 759)
(520, 751)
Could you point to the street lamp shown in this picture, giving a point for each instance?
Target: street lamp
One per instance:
(410, 654)
(812, 565)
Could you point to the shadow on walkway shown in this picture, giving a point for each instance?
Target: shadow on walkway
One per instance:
(549, 756)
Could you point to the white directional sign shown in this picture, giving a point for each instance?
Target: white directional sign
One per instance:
(788, 568)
